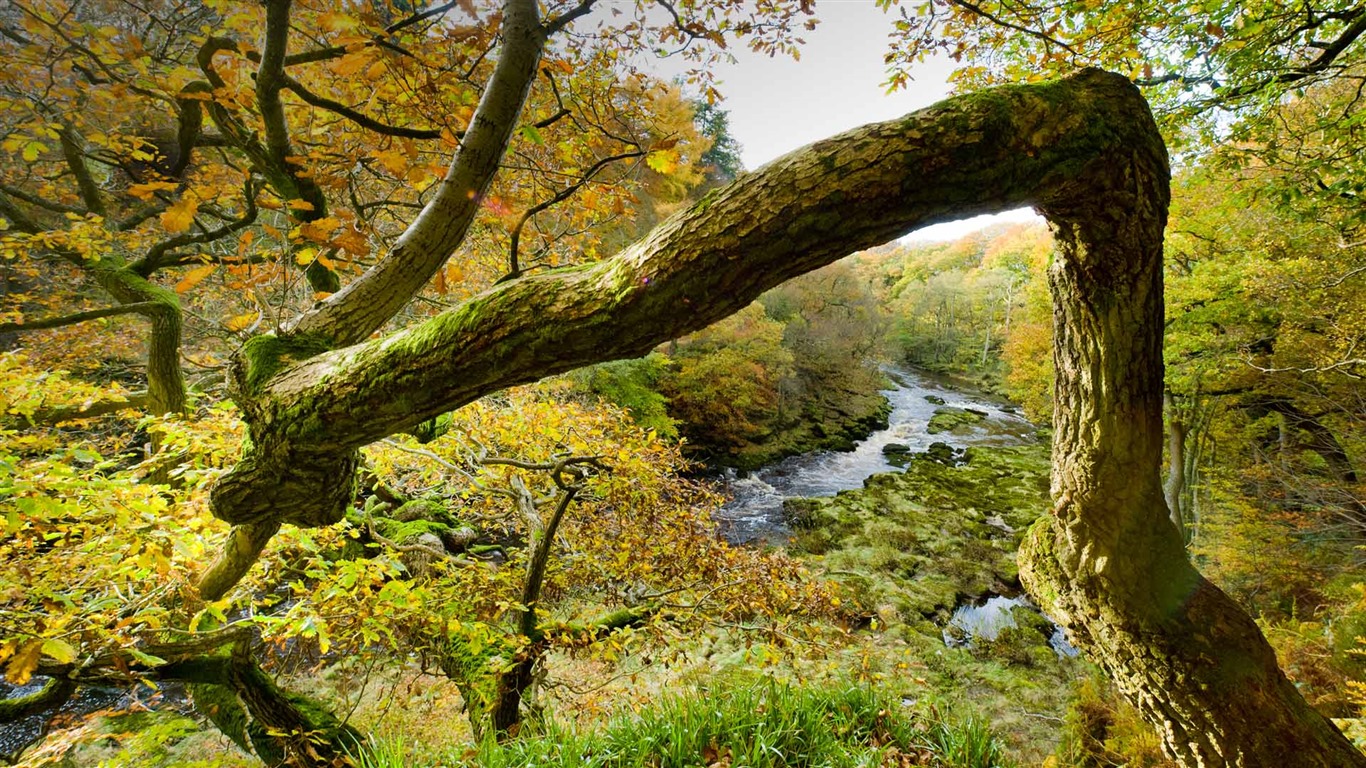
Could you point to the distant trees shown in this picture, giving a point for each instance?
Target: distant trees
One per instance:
(954, 306)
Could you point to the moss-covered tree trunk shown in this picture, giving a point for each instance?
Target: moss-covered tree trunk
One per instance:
(161, 307)
(1108, 562)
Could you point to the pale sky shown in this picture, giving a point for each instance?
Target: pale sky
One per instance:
(777, 105)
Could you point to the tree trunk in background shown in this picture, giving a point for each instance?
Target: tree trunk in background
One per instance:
(1107, 562)
(1174, 490)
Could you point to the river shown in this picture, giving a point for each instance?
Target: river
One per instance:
(754, 513)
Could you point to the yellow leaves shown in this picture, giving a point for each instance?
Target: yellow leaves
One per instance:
(240, 322)
(60, 650)
(299, 205)
(23, 662)
(392, 160)
(336, 21)
(180, 216)
(194, 277)
(28, 148)
(663, 161)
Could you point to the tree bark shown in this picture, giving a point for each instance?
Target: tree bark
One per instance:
(165, 380)
(1107, 562)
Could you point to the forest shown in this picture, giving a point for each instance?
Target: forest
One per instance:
(414, 383)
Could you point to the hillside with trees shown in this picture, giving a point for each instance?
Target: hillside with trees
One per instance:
(367, 369)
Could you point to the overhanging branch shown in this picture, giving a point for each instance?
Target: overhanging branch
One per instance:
(80, 317)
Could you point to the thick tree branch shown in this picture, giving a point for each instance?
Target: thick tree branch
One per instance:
(1086, 152)
(17, 218)
(565, 19)
(39, 202)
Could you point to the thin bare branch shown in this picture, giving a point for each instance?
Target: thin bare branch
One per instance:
(79, 317)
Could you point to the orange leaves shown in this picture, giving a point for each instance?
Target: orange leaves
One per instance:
(352, 63)
(319, 230)
(180, 216)
(447, 277)
(194, 277)
(353, 241)
(148, 190)
(334, 233)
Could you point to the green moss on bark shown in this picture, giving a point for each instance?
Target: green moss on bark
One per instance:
(264, 356)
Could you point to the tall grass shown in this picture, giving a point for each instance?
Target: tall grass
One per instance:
(758, 726)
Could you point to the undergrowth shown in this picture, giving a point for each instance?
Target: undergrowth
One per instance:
(766, 725)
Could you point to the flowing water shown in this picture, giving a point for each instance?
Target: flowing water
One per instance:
(754, 513)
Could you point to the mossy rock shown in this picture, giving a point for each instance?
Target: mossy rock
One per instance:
(920, 539)
(424, 509)
(402, 532)
(944, 454)
(947, 419)
(897, 454)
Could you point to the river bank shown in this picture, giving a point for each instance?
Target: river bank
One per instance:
(755, 510)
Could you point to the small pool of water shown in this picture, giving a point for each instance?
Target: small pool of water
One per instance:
(985, 621)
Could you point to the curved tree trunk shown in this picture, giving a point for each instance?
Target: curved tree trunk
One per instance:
(1108, 562)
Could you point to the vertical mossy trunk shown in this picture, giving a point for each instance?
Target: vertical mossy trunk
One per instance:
(165, 380)
(1108, 562)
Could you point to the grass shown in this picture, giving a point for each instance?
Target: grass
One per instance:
(766, 725)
